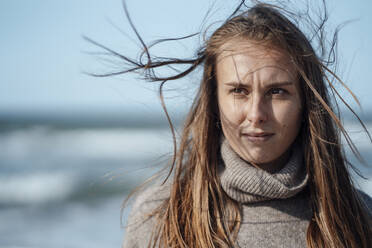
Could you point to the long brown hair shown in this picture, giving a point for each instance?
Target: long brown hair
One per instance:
(197, 212)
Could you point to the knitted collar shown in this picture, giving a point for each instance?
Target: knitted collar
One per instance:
(246, 183)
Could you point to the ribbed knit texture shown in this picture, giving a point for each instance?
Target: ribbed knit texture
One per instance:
(274, 213)
(246, 183)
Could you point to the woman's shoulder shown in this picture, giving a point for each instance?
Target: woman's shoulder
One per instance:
(151, 197)
(366, 200)
(140, 223)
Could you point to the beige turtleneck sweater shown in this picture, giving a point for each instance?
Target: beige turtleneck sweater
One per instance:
(274, 214)
(275, 208)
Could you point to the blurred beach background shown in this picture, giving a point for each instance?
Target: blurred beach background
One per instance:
(72, 146)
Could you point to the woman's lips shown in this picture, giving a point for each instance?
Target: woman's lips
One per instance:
(257, 137)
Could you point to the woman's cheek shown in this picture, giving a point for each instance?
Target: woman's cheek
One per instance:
(233, 113)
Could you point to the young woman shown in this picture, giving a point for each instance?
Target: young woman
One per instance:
(259, 163)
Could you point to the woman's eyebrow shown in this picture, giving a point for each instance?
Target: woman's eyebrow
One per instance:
(271, 84)
(237, 84)
(279, 84)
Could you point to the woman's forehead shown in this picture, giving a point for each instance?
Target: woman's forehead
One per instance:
(245, 57)
(254, 49)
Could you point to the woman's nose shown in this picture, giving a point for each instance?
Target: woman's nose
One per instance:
(256, 111)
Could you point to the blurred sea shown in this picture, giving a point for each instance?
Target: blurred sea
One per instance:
(62, 186)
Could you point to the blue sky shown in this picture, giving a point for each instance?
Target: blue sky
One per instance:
(43, 53)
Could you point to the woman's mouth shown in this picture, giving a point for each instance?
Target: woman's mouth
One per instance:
(257, 137)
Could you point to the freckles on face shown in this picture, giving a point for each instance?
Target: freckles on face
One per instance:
(259, 101)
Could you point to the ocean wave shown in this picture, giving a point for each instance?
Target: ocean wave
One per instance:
(47, 144)
(35, 188)
(50, 188)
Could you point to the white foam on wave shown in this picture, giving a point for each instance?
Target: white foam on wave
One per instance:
(35, 188)
(85, 143)
(44, 156)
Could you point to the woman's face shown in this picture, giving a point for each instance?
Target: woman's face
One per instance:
(259, 101)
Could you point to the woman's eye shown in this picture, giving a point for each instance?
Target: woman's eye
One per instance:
(277, 91)
(238, 91)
